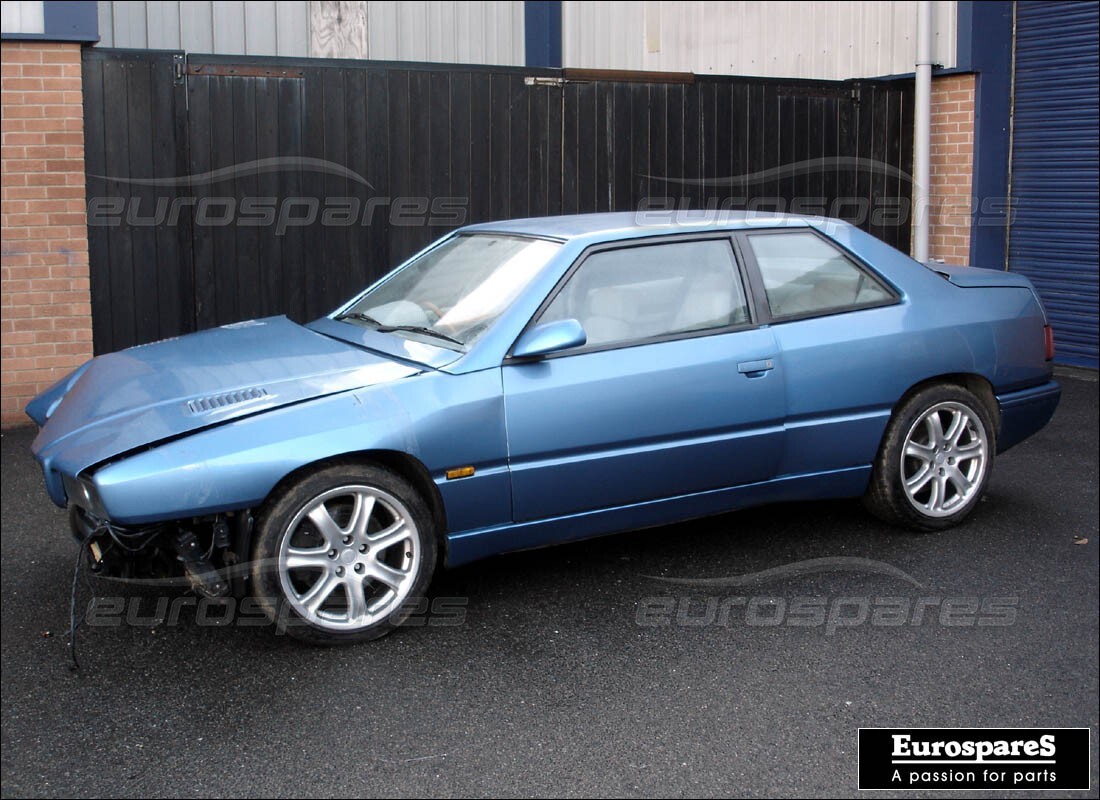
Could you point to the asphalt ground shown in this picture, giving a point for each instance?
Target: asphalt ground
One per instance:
(577, 671)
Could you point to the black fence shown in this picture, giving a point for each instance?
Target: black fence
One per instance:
(223, 188)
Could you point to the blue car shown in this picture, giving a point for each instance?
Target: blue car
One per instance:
(523, 383)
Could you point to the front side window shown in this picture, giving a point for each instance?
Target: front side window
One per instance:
(638, 293)
(805, 275)
(456, 291)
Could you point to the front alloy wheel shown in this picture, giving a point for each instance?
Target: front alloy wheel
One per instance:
(349, 558)
(343, 554)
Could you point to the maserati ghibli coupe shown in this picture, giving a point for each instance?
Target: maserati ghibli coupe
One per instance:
(523, 383)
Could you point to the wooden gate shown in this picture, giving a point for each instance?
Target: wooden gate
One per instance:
(225, 188)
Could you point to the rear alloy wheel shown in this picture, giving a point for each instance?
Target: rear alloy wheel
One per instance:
(343, 555)
(935, 460)
(944, 459)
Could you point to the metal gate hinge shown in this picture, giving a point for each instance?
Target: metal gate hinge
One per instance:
(530, 80)
(179, 68)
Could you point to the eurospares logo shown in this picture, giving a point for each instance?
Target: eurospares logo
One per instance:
(1020, 759)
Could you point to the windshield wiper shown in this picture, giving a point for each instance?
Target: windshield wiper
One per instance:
(360, 316)
(383, 328)
(420, 329)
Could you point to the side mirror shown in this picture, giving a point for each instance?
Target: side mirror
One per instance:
(550, 337)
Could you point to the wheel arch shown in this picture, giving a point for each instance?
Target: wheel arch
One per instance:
(973, 382)
(407, 466)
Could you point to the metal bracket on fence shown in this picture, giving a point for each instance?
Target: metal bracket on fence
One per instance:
(245, 71)
(532, 81)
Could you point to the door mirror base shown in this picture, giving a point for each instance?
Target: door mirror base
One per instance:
(550, 337)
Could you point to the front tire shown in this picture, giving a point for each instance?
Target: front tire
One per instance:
(343, 555)
(935, 460)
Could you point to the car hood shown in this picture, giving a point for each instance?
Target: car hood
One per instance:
(123, 401)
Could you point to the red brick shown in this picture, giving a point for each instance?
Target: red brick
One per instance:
(20, 137)
(54, 70)
(64, 57)
(46, 321)
(59, 84)
(951, 167)
(23, 85)
(46, 151)
(17, 53)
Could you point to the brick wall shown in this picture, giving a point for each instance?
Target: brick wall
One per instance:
(45, 324)
(952, 163)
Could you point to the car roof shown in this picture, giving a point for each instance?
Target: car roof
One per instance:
(628, 224)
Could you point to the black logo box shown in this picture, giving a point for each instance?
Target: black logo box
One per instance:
(1067, 769)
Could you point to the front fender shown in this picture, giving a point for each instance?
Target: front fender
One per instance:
(442, 420)
(41, 408)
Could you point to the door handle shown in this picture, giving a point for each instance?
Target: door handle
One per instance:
(755, 369)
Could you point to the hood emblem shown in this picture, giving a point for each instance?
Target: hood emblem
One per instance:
(216, 402)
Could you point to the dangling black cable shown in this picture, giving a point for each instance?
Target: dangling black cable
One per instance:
(117, 537)
(73, 624)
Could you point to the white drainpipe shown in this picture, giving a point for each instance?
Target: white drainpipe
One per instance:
(922, 135)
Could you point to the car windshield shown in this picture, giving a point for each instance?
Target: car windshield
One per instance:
(454, 292)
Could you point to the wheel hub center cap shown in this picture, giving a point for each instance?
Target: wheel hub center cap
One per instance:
(348, 556)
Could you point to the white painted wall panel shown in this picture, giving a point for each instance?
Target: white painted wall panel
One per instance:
(260, 31)
(827, 40)
(229, 27)
(133, 20)
(823, 40)
(196, 27)
(162, 25)
(240, 27)
(448, 31)
(17, 16)
(291, 28)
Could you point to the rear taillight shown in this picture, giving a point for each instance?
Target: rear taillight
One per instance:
(1048, 340)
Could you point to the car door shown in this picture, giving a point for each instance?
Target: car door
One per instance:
(676, 391)
(839, 329)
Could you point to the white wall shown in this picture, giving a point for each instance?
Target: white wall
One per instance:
(820, 39)
(19, 16)
(255, 27)
(823, 40)
(481, 32)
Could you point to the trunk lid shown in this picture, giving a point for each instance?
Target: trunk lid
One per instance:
(978, 278)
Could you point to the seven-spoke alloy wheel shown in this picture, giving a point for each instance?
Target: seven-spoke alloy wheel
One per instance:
(342, 555)
(349, 558)
(943, 461)
(935, 459)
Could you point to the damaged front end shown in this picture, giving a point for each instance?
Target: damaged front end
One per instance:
(141, 445)
(208, 554)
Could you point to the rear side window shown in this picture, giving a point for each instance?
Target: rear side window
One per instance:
(638, 293)
(805, 275)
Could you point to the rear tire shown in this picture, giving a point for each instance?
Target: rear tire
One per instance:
(935, 460)
(343, 555)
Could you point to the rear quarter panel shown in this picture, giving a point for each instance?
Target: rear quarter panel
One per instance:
(845, 373)
(995, 332)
